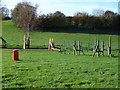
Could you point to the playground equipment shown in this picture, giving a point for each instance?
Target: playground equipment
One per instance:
(3, 43)
(77, 48)
(97, 50)
(26, 43)
(51, 45)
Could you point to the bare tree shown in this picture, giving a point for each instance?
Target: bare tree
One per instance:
(98, 12)
(23, 15)
(5, 11)
(81, 14)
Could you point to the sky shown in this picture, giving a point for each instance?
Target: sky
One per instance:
(68, 7)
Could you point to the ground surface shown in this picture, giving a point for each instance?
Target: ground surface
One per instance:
(42, 68)
(50, 69)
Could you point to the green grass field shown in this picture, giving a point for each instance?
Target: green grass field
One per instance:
(42, 68)
(14, 36)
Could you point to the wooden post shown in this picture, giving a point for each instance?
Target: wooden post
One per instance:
(52, 40)
(49, 43)
(98, 48)
(28, 37)
(98, 44)
(102, 49)
(27, 41)
(109, 46)
(74, 48)
(95, 44)
(78, 47)
(24, 47)
(81, 50)
(95, 47)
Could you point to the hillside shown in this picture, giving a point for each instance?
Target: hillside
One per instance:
(14, 36)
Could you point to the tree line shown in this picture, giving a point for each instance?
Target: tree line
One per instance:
(25, 16)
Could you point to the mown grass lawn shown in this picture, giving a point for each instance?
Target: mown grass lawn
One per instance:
(42, 68)
(49, 69)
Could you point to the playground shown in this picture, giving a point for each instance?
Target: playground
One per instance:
(81, 60)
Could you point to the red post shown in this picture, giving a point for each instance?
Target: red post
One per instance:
(15, 55)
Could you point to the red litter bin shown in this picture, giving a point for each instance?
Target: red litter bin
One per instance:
(15, 55)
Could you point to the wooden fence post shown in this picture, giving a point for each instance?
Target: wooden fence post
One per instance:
(109, 46)
(102, 49)
(74, 48)
(78, 47)
(98, 48)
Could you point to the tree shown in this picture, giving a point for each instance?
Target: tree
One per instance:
(98, 12)
(4, 11)
(23, 15)
(109, 19)
(58, 19)
(52, 20)
(80, 19)
(81, 14)
(109, 14)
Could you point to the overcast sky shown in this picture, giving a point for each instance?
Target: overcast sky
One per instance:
(68, 7)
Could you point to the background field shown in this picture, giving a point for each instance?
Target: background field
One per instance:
(14, 36)
(40, 68)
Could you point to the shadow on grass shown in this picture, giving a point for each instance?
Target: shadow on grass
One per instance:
(18, 61)
(115, 56)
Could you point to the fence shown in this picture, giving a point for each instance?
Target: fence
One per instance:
(60, 44)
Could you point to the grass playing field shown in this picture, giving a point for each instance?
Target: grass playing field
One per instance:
(49, 69)
(42, 68)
